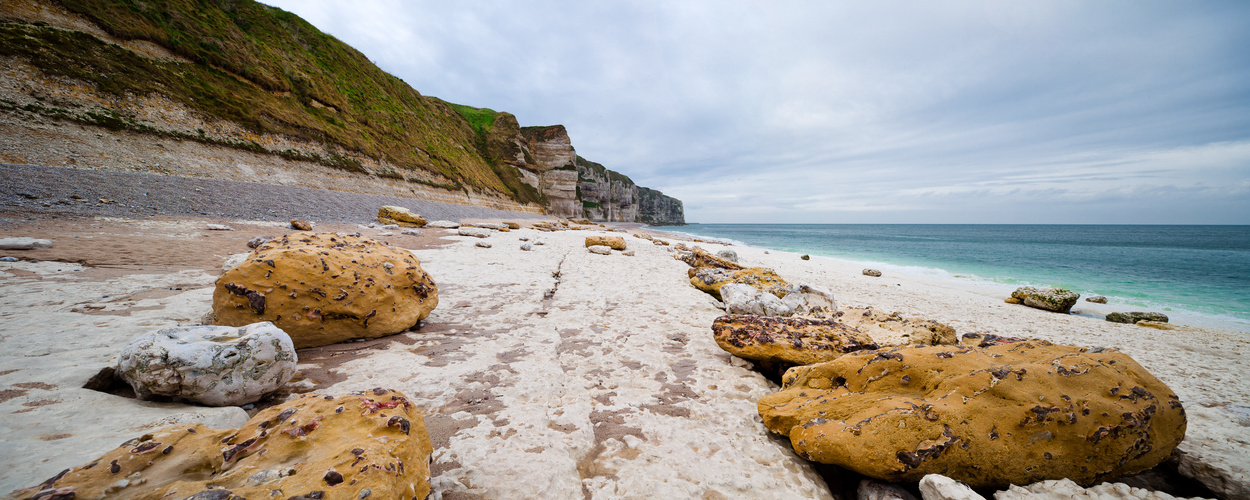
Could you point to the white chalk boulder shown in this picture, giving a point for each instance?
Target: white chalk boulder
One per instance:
(746, 299)
(474, 232)
(600, 249)
(810, 300)
(212, 365)
(444, 224)
(24, 243)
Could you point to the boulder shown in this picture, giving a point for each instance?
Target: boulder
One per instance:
(301, 225)
(710, 279)
(1050, 299)
(444, 224)
(364, 445)
(323, 288)
(939, 487)
(793, 341)
(1007, 414)
(390, 214)
(212, 365)
(746, 299)
(613, 242)
(872, 272)
(474, 232)
(1066, 489)
(810, 300)
(600, 249)
(893, 329)
(728, 255)
(699, 258)
(1134, 317)
(24, 243)
(1097, 299)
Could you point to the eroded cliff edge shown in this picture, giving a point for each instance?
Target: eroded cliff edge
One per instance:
(243, 91)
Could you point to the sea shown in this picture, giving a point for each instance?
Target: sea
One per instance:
(1197, 275)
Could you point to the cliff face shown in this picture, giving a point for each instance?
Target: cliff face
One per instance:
(607, 195)
(266, 97)
(659, 210)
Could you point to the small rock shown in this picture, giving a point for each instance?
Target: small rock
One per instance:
(1097, 299)
(474, 232)
(482, 244)
(301, 225)
(728, 255)
(527, 247)
(512, 225)
(539, 242)
(873, 490)
(106, 201)
(1134, 317)
(213, 365)
(8, 259)
(410, 232)
(390, 226)
(258, 241)
(939, 487)
(600, 249)
(219, 227)
(806, 257)
(1051, 299)
(491, 225)
(24, 243)
(613, 242)
(524, 238)
(400, 216)
(444, 224)
(872, 272)
(386, 233)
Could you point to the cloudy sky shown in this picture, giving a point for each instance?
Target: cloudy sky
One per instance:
(858, 112)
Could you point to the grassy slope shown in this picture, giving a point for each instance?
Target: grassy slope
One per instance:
(262, 68)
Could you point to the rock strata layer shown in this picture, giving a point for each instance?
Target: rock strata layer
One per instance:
(363, 445)
(213, 365)
(324, 288)
(1008, 414)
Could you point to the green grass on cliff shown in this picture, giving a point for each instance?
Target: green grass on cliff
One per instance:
(270, 72)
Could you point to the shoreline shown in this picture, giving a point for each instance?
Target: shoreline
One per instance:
(1177, 315)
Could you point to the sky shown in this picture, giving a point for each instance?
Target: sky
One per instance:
(1013, 112)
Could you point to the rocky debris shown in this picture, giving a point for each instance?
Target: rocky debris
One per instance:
(314, 446)
(24, 243)
(527, 247)
(301, 225)
(400, 216)
(324, 288)
(893, 329)
(482, 244)
(728, 255)
(939, 487)
(212, 365)
(1050, 299)
(1008, 414)
(258, 241)
(600, 249)
(219, 227)
(806, 257)
(410, 232)
(710, 280)
(613, 242)
(1134, 317)
(792, 341)
(1067, 489)
(444, 224)
(474, 232)
(872, 272)
(1097, 299)
(873, 490)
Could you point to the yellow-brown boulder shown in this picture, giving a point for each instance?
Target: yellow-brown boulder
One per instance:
(1013, 413)
(401, 216)
(710, 279)
(792, 341)
(613, 242)
(363, 445)
(324, 288)
(699, 258)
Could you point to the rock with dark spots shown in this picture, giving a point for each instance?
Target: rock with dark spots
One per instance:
(894, 329)
(302, 448)
(1050, 299)
(710, 279)
(399, 216)
(1007, 414)
(792, 341)
(324, 288)
(613, 242)
(698, 258)
(301, 225)
(1134, 317)
(24, 243)
(872, 272)
(1097, 299)
(212, 365)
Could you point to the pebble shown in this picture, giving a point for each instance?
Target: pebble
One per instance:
(527, 247)
(8, 259)
(219, 227)
(483, 244)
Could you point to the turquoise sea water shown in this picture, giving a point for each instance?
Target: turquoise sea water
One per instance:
(1198, 274)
